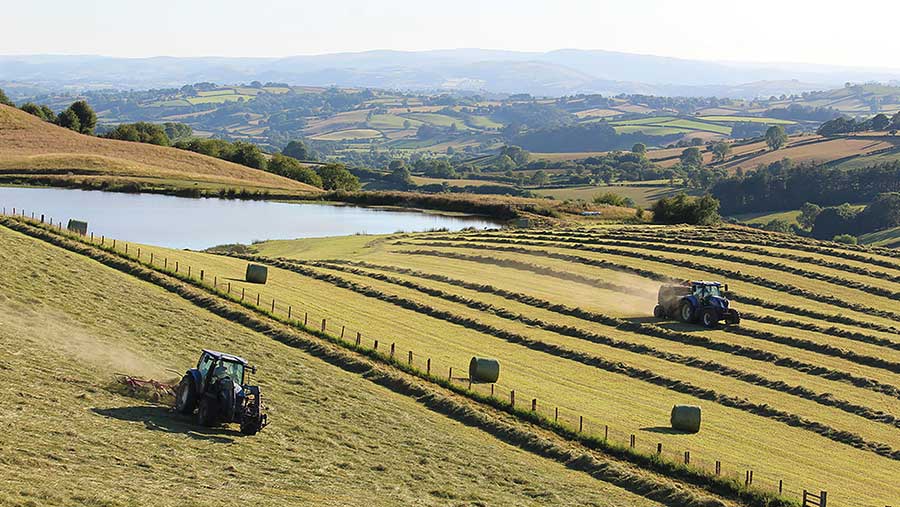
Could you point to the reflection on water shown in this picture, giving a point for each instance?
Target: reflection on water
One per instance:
(180, 222)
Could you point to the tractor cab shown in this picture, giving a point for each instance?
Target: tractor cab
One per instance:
(214, 366)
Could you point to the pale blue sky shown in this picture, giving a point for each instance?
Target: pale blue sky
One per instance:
(859, 33)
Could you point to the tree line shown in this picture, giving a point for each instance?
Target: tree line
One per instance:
(843, 125)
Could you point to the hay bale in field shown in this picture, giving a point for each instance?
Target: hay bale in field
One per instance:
(484, 370)
(686, 418)
(257, 273)
(78, 226)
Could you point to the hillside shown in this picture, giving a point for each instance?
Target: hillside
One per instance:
(34, 150)
(814, 361)
(346, 429)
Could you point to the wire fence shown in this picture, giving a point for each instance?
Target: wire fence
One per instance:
(522, 403)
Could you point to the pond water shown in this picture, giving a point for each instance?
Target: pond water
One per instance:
(179, 222)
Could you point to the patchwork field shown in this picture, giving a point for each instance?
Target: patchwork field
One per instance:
(805, 392)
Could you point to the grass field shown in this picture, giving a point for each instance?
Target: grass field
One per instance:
(814, 364)
(349, 134)
(31, 149)
(336, 438)
(641, 195)
(752, 119)
(889, 238)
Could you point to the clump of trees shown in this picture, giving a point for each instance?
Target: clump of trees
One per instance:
(290, 167)
(882, 213)
(684, 209)
(844, 125)
(5, 100)
(141, 132)
(614, 200)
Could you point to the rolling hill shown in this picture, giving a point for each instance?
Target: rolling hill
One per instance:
(34, 150)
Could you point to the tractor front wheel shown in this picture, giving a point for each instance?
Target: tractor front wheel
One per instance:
(686, 312)
(186, 396)
(659, 312)
(709, 317)
(734, 318)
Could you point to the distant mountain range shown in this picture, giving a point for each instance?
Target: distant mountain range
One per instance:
(553, 73)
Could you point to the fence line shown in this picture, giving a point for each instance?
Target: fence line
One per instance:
(424, 366)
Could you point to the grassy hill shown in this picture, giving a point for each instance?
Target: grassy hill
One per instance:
(346, 429)
(814, 362)
(34, 150)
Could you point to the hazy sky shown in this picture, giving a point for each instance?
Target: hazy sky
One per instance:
(858, 33)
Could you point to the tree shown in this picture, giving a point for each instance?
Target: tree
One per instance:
(776, 137)
(692, 157)
(175, 131)
(639, 148)
(880, 122)
(292, 168)
(540, 178)
(696, 141)
(42, 112)
(298, 149)
(87, 118)
(247, 154)
(400, 174)
(5, 100)
(613, 200)
(141, 132)
(516, 154)
(336, 177)
(833, 221)
(778, 225)
(808, 214)
(682, 209)
(69, 120)
(845, 238)
(721, 150)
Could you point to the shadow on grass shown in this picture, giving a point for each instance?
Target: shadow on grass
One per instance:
(665, 430)
(159, 418)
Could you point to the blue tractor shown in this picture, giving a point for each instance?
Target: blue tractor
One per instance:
(698, 301)
(216, 390)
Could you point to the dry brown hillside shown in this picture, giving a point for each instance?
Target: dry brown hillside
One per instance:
(34, 149)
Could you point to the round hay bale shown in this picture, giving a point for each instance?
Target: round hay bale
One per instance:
(78, 226)
(686, 418)
(257, 273)
(484, 370)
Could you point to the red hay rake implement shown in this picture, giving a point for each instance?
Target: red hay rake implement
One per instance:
(138, 385)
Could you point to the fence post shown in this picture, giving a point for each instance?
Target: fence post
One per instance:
(823, 497)
(242, 292)
(189, 268)
(273, 305)
(305, 318)
(450, 375)
(687, 457)
(323, 325)
(289, 312)
(114, 244)
(428, 367)
(201, 275)
(102, 238)
(556, 414)
(534, 404)
(492, 390)
(376, 345)
(392, 350)
(659, 448)
(512, 398)
(42, 216)
(126, 253)
(359, 339)
(151, 254)
(631, 443)
(139, 253)
(718, 467)
(780, 486)
(606, 432)
(176, 266)
(165, 263)
(580, 423)
(342, 332)
(410, 358)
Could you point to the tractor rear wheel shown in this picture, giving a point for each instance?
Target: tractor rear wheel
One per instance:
(709, 317)
(686, 312)
(659, 312)
(186, 396)
(206, 412)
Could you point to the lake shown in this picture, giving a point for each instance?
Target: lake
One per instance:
(180, 222)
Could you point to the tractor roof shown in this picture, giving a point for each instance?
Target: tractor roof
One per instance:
(703, 282)
(226, 357)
